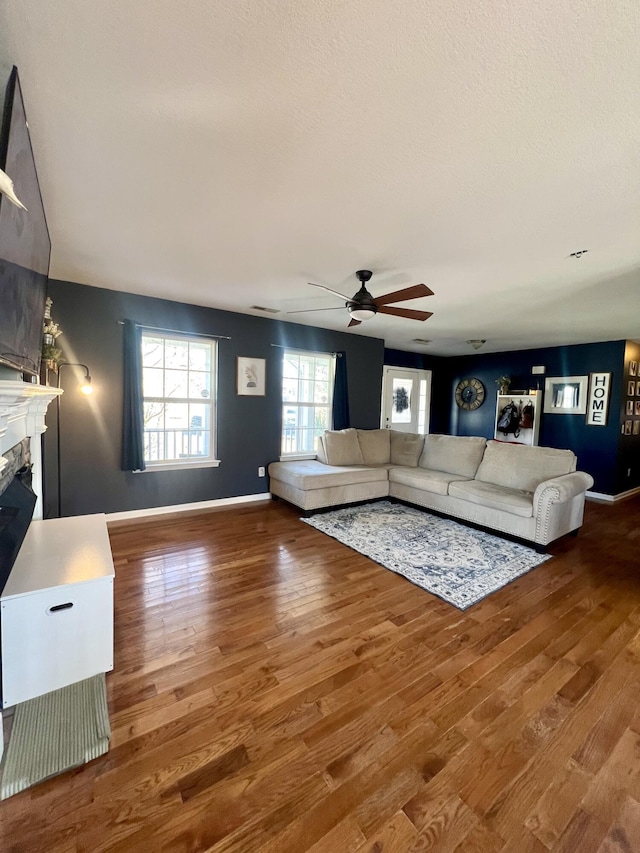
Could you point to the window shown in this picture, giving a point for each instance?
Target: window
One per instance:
(178, 399)
(307, 392)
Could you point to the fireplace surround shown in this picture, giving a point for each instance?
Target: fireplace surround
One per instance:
(23, 406)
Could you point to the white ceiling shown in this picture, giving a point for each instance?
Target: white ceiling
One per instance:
(225, 153)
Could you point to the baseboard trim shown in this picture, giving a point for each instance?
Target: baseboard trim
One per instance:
(599, 496)
(191, 507)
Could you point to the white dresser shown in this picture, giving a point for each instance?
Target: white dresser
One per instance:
(56, 610)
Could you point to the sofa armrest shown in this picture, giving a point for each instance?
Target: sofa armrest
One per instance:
(561, 489)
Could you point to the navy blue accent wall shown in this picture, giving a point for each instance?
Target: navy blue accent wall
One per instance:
(248, 427)
(595, 447)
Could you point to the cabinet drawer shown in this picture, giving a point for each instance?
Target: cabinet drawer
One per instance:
(55, 637)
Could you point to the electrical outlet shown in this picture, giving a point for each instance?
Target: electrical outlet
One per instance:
(261, 471)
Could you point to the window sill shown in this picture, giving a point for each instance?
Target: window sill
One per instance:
(297, 456)
(179, 466)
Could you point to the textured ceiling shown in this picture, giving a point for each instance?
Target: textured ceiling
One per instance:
(226, 153)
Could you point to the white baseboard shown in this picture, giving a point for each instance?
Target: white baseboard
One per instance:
(166, 510)
(599, 496)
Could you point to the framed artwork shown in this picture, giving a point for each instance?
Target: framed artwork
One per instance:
(565, 395)
(627, 427)
(251, 376)
(636, 427)
(629, 409)
(598, 405)
(637, 411)
(637, 389)
(633, 368)
(631, 388)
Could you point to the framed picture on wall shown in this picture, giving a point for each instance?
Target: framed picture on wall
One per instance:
(636, 427)
(251, 376)
(629, 409)
(565, 395)
(637, 389)
(633, 368)
(637, 411)
(631, 388)
(627, 427)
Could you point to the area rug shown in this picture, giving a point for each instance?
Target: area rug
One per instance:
(457, 563)
(56, 732)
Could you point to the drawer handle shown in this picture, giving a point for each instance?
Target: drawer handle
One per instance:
(57, 607)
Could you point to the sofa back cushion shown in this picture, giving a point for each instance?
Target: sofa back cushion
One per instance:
(453, 454)
(406, 448)
(341, 447)
(518, 466)
(375, 445)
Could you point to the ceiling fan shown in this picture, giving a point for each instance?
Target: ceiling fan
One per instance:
(363, 306)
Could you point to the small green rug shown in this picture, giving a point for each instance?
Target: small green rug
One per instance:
(55, 732)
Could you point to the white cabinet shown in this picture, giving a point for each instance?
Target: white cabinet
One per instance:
(528, 408)
(56, 610)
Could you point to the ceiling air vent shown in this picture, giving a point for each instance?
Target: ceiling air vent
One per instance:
(421, 341)
(268, 310)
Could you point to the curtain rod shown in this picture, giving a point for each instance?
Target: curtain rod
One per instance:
(176, 331)
(304, 349)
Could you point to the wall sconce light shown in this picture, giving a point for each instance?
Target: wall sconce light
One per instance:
(86, 388)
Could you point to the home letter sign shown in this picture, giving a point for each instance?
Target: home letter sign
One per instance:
(598, 399)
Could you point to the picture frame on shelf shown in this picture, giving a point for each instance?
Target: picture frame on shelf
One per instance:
(251, 376)
(565, 395)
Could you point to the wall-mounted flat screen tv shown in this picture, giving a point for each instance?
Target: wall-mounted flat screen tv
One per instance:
(25, 246)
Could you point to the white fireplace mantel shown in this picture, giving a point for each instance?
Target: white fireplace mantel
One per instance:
(23, 406)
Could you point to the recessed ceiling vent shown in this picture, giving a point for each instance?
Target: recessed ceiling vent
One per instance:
(421, 341)
(268, 310)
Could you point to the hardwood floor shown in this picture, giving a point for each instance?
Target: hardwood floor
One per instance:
(275, 691)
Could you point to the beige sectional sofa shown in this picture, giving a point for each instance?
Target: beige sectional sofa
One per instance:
(533, 493)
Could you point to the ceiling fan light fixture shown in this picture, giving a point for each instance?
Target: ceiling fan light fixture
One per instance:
(362, 313)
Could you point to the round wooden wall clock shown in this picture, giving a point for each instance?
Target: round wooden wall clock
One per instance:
(469, 394)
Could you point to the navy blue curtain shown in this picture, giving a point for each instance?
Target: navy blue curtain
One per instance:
(132, 422)
(341, 393)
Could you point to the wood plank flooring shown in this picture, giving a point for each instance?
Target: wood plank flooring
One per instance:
(275, 691)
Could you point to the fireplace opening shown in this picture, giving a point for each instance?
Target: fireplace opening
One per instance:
(17, 503)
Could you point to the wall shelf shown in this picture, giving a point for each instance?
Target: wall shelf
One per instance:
(520, 400)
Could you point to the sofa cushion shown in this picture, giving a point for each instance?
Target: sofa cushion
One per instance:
(517, 466)
(309, 474)
(375, 445)
(341, 447)
(455, 454)
(515, 501)
(406, 448)
(420, 478)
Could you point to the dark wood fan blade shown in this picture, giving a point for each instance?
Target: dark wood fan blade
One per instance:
(335, 292)
(354, 322)
(409, 313)
(407, 293)
(308, 310)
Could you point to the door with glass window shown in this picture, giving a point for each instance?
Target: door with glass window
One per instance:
(406, 397)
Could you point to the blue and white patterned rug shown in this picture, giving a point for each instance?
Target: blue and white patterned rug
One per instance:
(457, 563)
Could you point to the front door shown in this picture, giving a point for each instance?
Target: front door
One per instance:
(405, 399)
